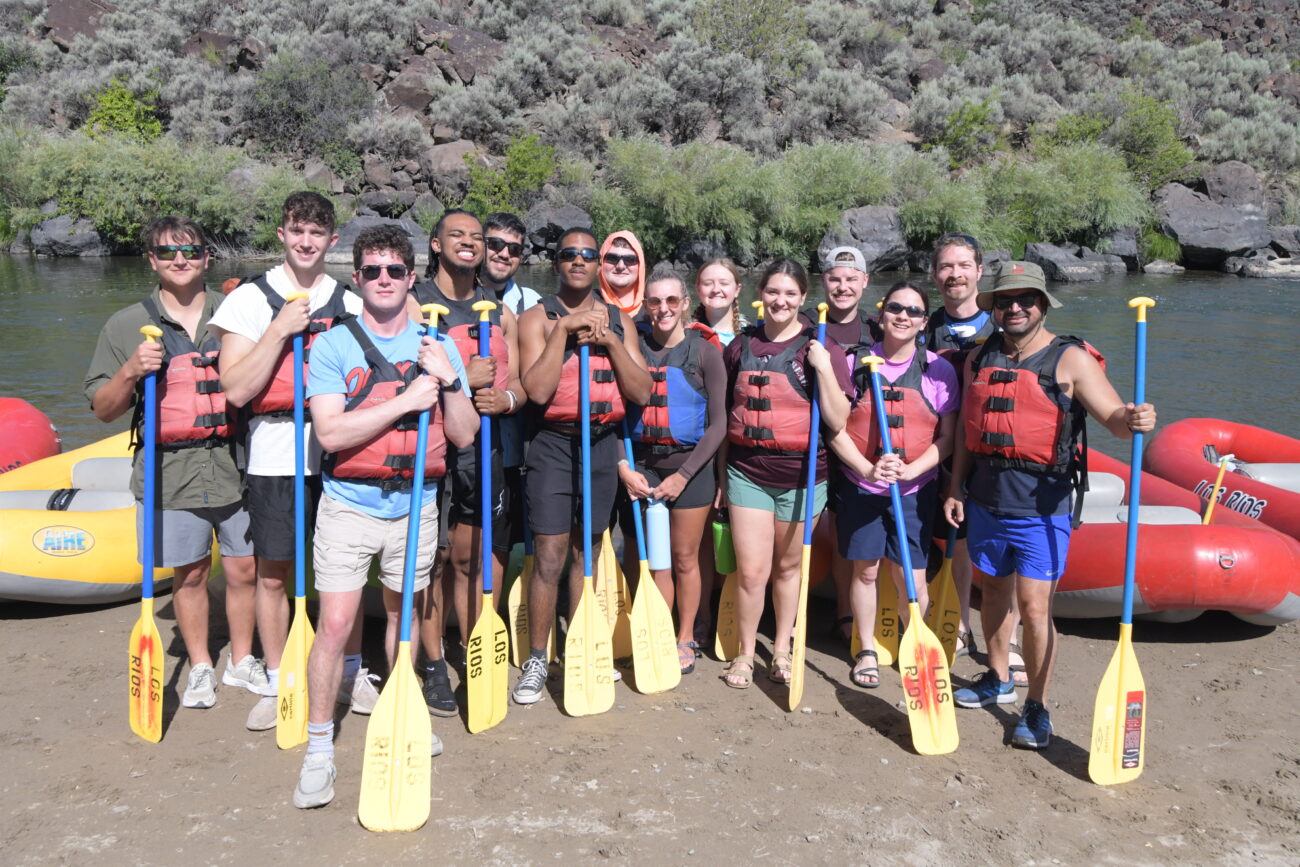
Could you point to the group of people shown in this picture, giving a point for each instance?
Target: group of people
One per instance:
(717, 409)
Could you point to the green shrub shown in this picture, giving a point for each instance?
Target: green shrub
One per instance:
(970, 133)
(1071, 129)
(528, 165)
(1154, 245)
(762, 30)
(1147, 134)
(118, 111)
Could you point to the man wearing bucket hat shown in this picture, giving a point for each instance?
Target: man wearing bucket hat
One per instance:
(1027, 395)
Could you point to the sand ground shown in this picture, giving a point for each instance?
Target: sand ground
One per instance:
(703, 774)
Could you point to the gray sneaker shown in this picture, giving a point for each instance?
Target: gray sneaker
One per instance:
(248, 673)
(532, 682)
(262, 717)
(360, 693)
(315, 781)
(435, 745)
(201, 689)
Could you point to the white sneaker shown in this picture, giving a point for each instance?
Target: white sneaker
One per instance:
(201, 689)
(248, 673)
(361, 693)
(262, 717)
(315, 781)
(435, 745)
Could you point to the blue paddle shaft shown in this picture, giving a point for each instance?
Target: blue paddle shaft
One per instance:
(413, 518)
(299, 476)
(900, 528)
(636, 504)
(485, 462)
(813, 430)
(1135, 474)
(584, 409)
(150, 446)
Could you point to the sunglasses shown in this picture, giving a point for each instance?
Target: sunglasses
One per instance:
(957, 237)
(673, 302)
(372, 272)
(628, 259)
(496, 245)
(1026, 300)
(569, 254)
(167, 252)
(895, 308)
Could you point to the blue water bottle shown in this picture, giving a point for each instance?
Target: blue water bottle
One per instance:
(657, 535)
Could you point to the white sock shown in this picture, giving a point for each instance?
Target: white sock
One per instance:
(273, 679)
(320, 738)
(351, 665)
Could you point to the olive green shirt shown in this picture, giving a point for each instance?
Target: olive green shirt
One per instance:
(192, 478)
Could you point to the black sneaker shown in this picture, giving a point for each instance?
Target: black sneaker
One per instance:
(438, 694)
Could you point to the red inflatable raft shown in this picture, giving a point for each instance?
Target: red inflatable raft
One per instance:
(1183, 568)
(26, 434)
(1263, 479)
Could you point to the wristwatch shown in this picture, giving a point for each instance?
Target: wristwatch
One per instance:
(454, 387)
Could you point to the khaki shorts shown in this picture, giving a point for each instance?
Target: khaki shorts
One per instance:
(347, 540)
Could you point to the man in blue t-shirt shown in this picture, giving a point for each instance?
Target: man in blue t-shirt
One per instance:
(366, 392)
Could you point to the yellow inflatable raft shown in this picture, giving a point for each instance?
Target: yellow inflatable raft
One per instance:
(67, 528)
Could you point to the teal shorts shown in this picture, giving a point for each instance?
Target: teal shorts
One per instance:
(786, 505)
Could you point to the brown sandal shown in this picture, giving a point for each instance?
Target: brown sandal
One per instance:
(782, 668)
(741, 669)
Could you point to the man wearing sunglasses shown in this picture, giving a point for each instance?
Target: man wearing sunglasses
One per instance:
(549, 336)
(200, 484)
(455, 258)
(256, 325)
(369, 380)
(622, 273)
(1015, 470)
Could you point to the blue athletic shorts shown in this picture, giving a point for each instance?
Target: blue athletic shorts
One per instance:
(1002, 545)
(865, 529)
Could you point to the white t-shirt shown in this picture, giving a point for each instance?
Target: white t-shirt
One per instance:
(246, 313)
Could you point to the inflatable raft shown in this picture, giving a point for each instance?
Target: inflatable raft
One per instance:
(1183, 568)
(67, 528)
(26, 434)
(1263, 479)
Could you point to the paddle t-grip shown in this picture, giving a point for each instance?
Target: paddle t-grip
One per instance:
(1142, 302)
(151, 333)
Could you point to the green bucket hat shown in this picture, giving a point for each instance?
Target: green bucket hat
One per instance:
(1016, 275)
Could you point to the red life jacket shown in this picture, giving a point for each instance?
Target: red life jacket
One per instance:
(913, 421)
(388, 459)
(191, 405)
(607, 405)
(461, 325)
(276, 397)
(1016, 414)
(677, 412)
(770, 408)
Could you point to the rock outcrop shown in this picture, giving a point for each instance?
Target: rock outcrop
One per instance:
(876, 231)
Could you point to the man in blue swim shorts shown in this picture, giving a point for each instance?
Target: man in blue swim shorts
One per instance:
(1016, 463)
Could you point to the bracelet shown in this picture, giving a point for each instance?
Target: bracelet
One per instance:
(622, 463)
(514, 402)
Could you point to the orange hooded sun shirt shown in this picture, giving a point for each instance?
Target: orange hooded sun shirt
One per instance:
(630, 301)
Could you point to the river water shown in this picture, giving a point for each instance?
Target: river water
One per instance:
(1218, 345)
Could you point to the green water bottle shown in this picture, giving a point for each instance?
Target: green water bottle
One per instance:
(724, 553)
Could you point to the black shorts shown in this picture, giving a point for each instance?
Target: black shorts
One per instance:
(464, 496)
(699, 491)
(270, 513)
(553, 483)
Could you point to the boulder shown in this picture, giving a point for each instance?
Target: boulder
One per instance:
(1209, 231)
(993, 260)
(409, 92)
(444, 166)
(876, 231)
(1061, 265)
(545, 223)
(252, 53)
(695, 252)
(222, 47)
(342, 251)
(65, 236)
(1124, 244)
(377, 171)
(1109, 263)
(317, 174)
(1286, 239)
(388, 202)
(1234, 183)
(65, 20)
(1277, 268)
(929, 70)
(425, 204)
(1160, 266)
(461, 53)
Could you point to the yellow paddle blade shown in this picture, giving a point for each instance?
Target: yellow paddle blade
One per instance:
(944, 616)
(927, 688)
(726, 644)
(612, 592)
(1119, 718)
(588, 659)
(291, 704)
(487, 666)
(654, 644)
(886, 620)
(517, 612)
(395, 771)
(799, 649)
(145, 661)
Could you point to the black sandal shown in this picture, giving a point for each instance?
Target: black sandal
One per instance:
(860, 676)
(837, 629)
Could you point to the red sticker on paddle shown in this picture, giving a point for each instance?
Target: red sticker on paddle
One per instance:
(1134, 704)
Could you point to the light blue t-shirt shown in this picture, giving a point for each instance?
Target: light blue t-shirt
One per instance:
(337, 366)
